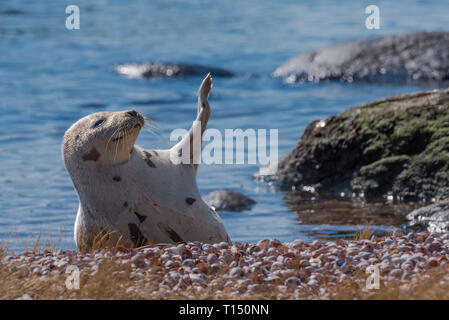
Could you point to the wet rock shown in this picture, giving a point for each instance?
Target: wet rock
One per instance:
(228, 200)
(413, 56)
(160, 69)
(397, 146)
(433, 218)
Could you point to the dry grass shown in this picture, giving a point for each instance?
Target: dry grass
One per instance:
(111, 281)
(429, 285)
(363, 234)
(115, 281)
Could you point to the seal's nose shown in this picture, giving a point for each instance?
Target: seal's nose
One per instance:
(132, 113)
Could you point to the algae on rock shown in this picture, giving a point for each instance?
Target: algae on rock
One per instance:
(397, 146)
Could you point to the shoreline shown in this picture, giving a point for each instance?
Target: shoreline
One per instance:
(269, 269)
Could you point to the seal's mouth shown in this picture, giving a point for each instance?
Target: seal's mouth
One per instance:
(118, 138)
(127, 128)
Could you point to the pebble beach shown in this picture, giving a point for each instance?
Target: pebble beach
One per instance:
(269, 269)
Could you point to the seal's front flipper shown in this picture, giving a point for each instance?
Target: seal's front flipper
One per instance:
(189, 148)
(203, 105)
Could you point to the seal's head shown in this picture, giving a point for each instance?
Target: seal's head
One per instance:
(101, 138)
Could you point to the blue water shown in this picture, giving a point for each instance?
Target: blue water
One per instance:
(50, 77)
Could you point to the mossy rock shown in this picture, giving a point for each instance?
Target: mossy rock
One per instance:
(397, 146)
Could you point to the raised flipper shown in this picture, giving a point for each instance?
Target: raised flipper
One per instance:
(188, 143)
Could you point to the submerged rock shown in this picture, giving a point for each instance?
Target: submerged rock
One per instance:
(397, 146)
(159, 69)
(228, 200)
(414, 56)
(433, 218)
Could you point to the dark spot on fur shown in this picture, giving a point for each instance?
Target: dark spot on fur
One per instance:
(203, 104)
(190, 201)
(140, 217)
(77, 137)
(125, 204)
(136, 235)
(173, 235)
(180, 153)
(155, 152)
(148, 160)
(93, 155)
(117, 178)
(150, 163)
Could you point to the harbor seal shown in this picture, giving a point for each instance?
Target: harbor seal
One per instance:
(132, 196)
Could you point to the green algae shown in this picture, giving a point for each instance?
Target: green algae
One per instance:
(396, 146)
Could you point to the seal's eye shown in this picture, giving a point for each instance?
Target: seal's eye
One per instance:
(99, 122)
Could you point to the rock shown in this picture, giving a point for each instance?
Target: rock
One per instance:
(236, 272)
(228, 258)
(397, 233)
(138, 259)
(312, 283)
(26, 296)
(413, 56)
(228, 200)
(248, 273)
(292, 282)
(212, 258)
(160, 69)
(396, 273)
(433, 218)
(397, 146)
(197, 277)
(277, 266)
(433, 262)
(253, 287)
(188, 263)
(170, 264)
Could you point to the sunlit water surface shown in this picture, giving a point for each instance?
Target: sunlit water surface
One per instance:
(51, 77)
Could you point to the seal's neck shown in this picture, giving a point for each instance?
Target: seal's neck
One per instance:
(115, 157)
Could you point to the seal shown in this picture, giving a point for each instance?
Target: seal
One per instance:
(133, 196)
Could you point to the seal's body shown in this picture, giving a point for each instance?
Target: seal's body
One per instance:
(131, 195)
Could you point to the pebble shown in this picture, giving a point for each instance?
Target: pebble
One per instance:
(212, 258)
(292, 281)
(236, 272)
(238, 269)
(396, 273)
(433, 262)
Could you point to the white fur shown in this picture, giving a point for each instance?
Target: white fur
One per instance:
(155, 197)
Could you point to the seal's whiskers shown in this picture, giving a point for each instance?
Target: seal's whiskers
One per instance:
(112, 135)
